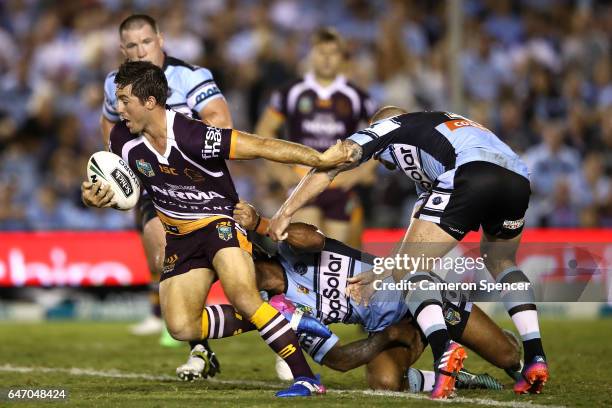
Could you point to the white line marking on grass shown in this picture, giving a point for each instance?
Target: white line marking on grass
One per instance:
(88, 372)
(479, 401)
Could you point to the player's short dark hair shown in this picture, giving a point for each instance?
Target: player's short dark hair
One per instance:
(147, 80)
(136, 21)
(327, 35)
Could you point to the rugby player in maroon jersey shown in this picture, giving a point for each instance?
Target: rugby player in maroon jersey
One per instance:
(181, 164)
(317, 109)
(194, 93)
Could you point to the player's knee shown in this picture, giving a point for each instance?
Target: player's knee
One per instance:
(385, 381)
(183, 329)
(155, 261)
(155, 245)
(183, 332)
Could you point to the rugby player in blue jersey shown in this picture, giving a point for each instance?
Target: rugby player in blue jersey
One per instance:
(181, 164)
(466, 178)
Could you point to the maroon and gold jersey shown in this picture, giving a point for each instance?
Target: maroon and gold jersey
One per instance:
(189, 183)
(317, 116)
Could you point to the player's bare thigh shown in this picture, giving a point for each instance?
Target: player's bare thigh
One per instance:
(424, 239)
(487, 339)
(182, 299)
(236, 271)
(154, 242)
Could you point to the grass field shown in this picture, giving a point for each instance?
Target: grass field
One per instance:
(102, 366)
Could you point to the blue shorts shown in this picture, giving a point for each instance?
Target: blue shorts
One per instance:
(388, 307)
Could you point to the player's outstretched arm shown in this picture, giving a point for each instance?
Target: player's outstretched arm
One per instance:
(268, 125)
(247, 146)
(300, 236)
(311, 186)
(360, 352)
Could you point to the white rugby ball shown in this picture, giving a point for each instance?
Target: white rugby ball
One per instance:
(110, 169)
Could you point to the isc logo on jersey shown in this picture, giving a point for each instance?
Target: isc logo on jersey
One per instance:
(110, 169)
(332, 304)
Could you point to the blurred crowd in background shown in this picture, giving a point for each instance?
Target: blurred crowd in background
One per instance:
(536, 72)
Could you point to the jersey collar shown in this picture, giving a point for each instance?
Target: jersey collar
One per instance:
(170, 139)
(324, 92)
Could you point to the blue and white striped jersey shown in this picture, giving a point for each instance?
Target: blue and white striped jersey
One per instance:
(191, 88)
(316, 284)
(427, 144)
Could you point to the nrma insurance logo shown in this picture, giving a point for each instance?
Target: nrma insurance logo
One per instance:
(186, 194)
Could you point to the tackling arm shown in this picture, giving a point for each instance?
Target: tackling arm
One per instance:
(355, 354)
(301, 237)
(360, 352)
(311, 186)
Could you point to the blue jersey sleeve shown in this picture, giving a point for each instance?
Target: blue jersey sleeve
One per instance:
(376, 138)
(109, 109)
(201, 89)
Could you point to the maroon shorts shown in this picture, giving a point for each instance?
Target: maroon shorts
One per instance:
(336, 204)
(198, 248)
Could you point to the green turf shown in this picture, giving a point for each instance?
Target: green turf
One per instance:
(578, 351)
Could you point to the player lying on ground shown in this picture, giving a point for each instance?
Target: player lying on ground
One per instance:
(401, 343)
(181, 164)
(467, 178)
(312, 271)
